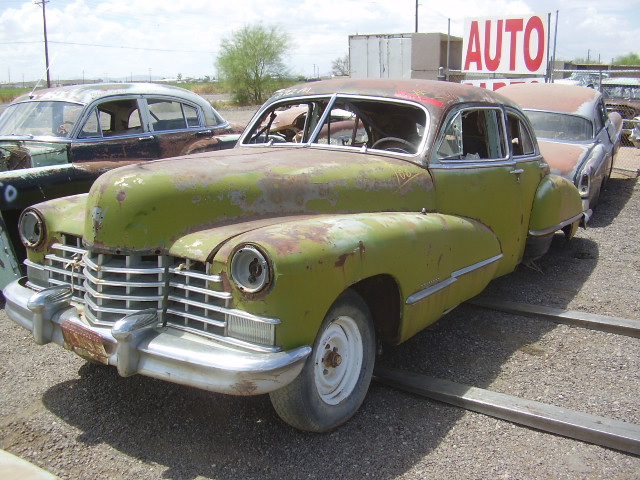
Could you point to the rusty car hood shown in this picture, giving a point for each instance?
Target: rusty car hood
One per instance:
(21, 152)
(128, 208)
(564, 158)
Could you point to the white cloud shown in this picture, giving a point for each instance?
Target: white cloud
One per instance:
(118, 38)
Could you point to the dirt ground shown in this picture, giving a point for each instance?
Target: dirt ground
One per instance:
(81, 421)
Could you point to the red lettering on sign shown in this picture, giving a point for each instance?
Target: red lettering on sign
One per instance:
(473, 51)
(513, 26)
(492, 63)
(534, 24)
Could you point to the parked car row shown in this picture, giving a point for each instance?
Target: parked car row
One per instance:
(577, 136)
(350, 213)
(56, 142)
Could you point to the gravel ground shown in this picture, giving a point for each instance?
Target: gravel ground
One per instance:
(81, 421)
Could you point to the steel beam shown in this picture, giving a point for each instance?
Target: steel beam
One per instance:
(602, 431)
(620, 326)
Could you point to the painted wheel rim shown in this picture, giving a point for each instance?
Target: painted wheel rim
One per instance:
(338, 361)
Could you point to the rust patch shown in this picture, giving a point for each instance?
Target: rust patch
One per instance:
(562, 157)
(85, 342)
(244, 388)
(553, 97)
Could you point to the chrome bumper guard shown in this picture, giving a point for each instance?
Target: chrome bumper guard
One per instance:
(139, 344)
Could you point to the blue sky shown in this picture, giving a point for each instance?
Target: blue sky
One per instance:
(117, 39)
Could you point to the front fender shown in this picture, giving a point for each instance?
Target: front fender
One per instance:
(557, 203)
(315, 259)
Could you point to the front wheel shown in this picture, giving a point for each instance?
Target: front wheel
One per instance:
(336, 376)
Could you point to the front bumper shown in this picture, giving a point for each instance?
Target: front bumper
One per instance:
(137, 344)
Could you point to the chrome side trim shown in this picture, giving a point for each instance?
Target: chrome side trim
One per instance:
(422, 294)
(559, 226)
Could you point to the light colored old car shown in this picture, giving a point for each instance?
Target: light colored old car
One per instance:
(351, 213)
(577, 136)
(634, 137)
(57, 141)
(622, 95)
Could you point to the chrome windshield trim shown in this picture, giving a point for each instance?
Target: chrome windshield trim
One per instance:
(422, 294)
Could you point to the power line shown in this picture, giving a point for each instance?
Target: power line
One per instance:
(108, 46)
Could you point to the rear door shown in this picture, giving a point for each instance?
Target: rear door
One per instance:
(114, 130)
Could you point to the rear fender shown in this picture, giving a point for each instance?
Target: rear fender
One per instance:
(436, 262)
(557, 204)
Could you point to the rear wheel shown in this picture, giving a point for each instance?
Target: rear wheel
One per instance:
(336, 376)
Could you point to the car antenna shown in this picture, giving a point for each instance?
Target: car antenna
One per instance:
(41, 78)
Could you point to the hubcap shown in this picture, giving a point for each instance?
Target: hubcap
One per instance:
(338, 361)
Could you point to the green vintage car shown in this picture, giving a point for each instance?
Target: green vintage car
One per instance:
(351, 212)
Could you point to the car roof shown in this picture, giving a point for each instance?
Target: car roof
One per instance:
(553, 97)
(434, 95)
(87, 93)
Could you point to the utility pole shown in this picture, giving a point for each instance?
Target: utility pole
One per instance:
(46, 45)
(416, 16)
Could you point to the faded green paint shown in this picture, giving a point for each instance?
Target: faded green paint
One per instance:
(480, 193)
(125, 212)
(329, 217)
(33, 154)
(555, 202)
(61, 215)
(315, 259)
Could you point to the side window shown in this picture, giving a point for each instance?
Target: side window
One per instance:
(191, 114)
(171, 115)
(91, 127)
(343, 127)
(473, 134)
(117, 117)
(520, 136)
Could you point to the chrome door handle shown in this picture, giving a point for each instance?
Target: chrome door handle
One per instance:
(518, 172)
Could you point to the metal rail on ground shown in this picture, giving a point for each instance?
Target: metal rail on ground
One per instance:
(620, 326)
(602, 431)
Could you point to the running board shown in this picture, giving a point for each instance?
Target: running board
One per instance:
(602, 431)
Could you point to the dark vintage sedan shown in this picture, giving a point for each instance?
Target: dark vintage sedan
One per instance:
(577, 136)
(57, 141)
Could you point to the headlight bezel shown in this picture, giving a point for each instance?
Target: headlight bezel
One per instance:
(250, 269)
(31, 228)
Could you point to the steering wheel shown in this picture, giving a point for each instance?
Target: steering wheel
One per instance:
(62, 130)
(412, 147)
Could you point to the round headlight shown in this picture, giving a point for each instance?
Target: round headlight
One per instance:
(250, 269)
(31, 228)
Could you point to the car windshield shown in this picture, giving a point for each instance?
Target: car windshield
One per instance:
(351, 122)
(621, 91)
(40, 119)
(559, 126)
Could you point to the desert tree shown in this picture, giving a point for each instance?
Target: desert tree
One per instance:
(251, 60)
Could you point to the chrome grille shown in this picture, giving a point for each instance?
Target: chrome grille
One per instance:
(186, 295)
(62, 266)
(196, 299)
(117, 285)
